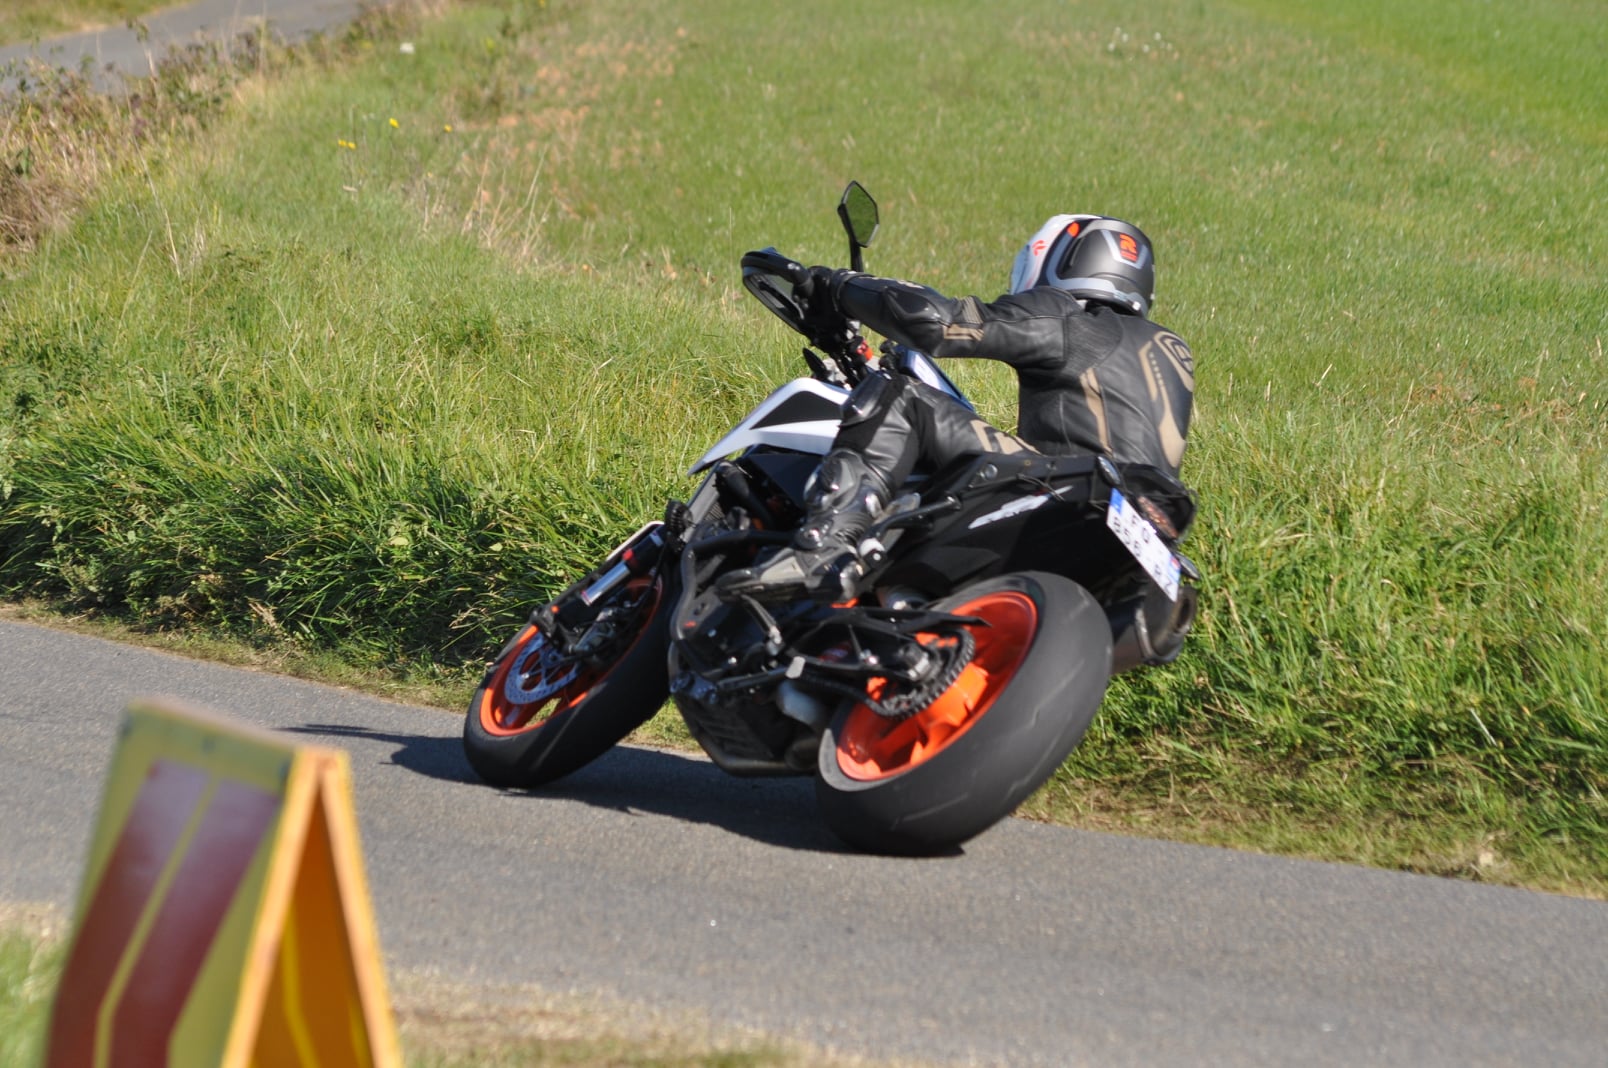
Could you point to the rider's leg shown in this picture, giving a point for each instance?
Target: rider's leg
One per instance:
(898, 424)
(874, 445)
(890, 425)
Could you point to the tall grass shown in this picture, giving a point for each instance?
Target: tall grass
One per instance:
(397, 347)
(23, 20)
(409, 460)
(29, 969)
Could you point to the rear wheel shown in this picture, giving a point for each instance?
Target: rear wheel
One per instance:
(927, 781)
(540, 714)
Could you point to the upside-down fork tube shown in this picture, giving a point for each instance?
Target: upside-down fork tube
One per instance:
(637, 555)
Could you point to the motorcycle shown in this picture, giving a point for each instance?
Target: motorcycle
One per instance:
(999, 596)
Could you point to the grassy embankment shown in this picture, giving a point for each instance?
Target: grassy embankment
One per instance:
(24, 20)
(373, 360)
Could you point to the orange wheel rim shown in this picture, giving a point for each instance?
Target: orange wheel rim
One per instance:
(502, 714)
(872, 747)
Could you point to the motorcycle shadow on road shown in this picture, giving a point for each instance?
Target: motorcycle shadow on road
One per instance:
(632, 780)
(779, 812)
(433, 756)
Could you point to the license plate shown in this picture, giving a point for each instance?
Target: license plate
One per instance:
(1139, 537)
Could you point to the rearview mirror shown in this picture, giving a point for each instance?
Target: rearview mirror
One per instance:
(859, 215)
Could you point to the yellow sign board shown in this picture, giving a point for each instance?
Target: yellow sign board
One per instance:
(224, 917)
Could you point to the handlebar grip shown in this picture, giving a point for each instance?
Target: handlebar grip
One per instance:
(769, 261)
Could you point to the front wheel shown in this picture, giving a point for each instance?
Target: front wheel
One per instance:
(539, 714)
(928, 781)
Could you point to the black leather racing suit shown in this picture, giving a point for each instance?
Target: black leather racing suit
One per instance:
(1090, 379)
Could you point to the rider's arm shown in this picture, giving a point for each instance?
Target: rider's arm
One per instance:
(1021, 330)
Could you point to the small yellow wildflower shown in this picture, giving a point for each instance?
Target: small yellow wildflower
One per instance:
(447, 128)
(394, 124)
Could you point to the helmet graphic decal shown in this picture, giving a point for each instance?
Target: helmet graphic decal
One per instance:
(1116, 269)
(1027, 271)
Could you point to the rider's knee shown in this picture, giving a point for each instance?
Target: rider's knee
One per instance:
(872, 399)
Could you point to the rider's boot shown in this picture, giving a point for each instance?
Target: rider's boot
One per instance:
(824, 560)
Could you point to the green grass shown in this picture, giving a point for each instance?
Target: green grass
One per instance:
(390, 349)
(24, 20)
(29, 967)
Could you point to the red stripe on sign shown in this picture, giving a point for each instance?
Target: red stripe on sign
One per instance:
(156, 821)
(191, 913)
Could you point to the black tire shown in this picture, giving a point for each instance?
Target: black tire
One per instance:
(929, 782)
(515, 744)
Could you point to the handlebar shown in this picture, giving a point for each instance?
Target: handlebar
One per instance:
(786, 287)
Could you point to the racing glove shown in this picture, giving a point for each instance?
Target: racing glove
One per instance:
(821, 294)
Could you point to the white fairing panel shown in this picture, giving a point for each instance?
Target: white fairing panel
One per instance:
(802, 415)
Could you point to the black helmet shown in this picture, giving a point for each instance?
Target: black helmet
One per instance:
(1093, 257)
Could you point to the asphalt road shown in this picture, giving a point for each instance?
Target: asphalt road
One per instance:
(655, 878)
(119, 49)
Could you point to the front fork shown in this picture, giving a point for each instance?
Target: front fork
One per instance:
(635, 556)
(572, 611)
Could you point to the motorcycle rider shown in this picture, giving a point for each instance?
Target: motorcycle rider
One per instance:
(1094, 374)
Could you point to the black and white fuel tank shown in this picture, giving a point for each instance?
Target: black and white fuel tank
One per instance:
(803, 416)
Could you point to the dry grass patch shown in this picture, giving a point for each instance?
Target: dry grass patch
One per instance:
(454, 1024)
(442, 1024)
